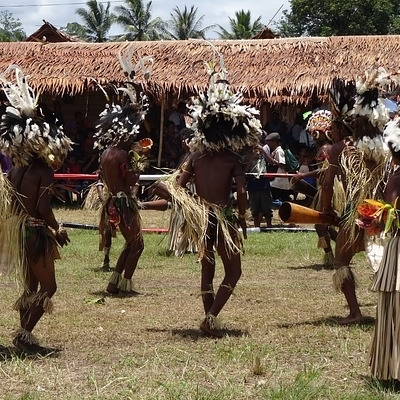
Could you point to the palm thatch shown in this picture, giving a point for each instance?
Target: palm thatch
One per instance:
(49, 33)
(290, 70)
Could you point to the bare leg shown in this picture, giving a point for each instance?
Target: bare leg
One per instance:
(324, 242)
(343, 256)
(107, 247)
(128, 259)
(232, 268)
(207, 277)
(34, 303)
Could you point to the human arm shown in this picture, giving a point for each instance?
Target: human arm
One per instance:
(328, 181)
(44, 206)
(267, 155)
(187, 172)
(241, 196)
(304, 175)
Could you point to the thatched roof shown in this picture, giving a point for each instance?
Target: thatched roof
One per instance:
(267, 70)
(266, 33)
(49, 33)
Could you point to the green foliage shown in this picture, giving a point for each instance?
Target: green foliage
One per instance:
(185, 25)
(97, 20)
(241, 27)
(305, 386)
(10, 28)
(339, 18)
(136, 20)
(75, 29)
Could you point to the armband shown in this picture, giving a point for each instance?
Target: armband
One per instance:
(187, 172)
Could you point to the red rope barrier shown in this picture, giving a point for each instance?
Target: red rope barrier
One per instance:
(93, 177)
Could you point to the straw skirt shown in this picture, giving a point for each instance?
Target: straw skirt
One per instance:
(384, 356)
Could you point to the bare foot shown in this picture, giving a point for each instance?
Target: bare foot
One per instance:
(112, 288)
(210, 331)
(350, 319)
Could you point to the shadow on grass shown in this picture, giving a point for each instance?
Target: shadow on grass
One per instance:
(380, 386)
(196, 334)
(121, 294)
(10, 353)
(315, 267)
(331, 321)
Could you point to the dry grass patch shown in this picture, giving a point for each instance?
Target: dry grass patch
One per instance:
(281, 342)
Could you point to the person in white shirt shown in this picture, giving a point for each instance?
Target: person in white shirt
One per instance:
(280, 187)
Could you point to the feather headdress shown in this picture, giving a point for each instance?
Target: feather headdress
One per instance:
(391, 134)
(23, 132)
(319, 123)
(120, 122)
(220, 119)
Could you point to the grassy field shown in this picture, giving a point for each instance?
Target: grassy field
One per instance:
(281, 341)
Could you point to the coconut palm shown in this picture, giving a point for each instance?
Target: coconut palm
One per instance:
(241, 26)
(185, 25)
(98, 20)
(136, 20)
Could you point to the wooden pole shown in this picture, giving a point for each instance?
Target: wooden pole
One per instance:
(160, 147)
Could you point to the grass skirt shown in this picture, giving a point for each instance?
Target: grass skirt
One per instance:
(384, 358)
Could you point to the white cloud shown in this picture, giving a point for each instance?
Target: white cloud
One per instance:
(215, 12)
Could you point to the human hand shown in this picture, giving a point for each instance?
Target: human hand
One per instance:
(243, 225)
(296, 178)
(62, 237)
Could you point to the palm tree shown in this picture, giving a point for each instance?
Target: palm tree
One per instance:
(136, 21)
(184, 25)
(98, 20)
(241, 27)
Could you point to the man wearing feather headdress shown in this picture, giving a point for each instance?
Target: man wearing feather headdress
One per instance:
(36, 148)
(319, 127)
(223, 129)
(121, 162)
(358, 158)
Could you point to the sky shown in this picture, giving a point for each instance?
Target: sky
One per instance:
(31, 13)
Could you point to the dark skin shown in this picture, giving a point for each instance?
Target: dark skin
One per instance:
(323, 152)
(344, 251)
(213, 177)
(34, 185)
(119, 176)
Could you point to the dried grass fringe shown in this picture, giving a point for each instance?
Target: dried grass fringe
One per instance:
(329, 259)
(361, 183)
(28, 298)
(341, 275)
(26, 336)
(125, 285)
(115, 278)
(92, 200)
(194, 214)
(12, 231)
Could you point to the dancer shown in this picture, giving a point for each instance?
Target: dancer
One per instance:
(319, 126)
(385, 350)
(223, 129)
(359, 159)
(121, 162)
(36, 148)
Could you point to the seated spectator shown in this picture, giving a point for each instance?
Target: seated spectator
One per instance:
(178, 116)
(292, 136)
(172, 146)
